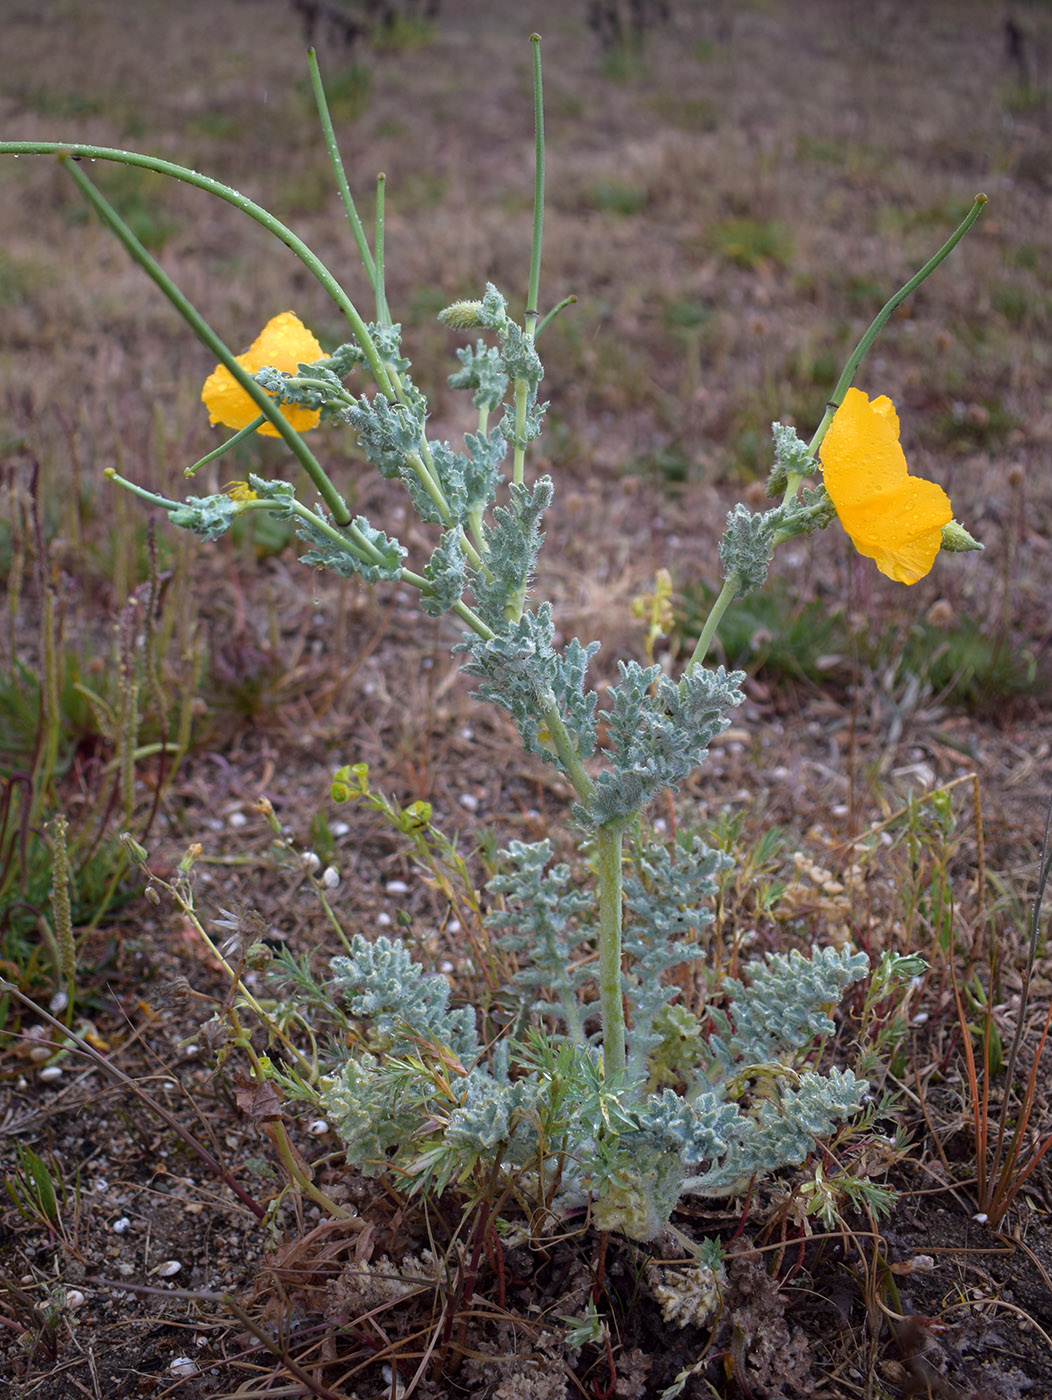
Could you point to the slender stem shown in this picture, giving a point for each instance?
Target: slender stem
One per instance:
(533, 294)
(529, 322)
(876, 326)
(550, 316)
(715, 617)
(335, 161)
(610, 840)
(150, 497)
(431, 485)
(522, 394)
(314, 265)
(207, 336)
(382, 313)
(884, 314)
(354, 542)
(566, 748)
(225, 446)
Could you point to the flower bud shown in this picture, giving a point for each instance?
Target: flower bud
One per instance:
(957, 540)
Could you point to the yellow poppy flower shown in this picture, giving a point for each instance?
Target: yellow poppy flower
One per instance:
(284, 343)
(892, 518)
(240, 491)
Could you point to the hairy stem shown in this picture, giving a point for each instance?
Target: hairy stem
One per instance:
(610, 841)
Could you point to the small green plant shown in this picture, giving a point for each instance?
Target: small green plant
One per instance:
(750, 244)
(582, 1084)
(75, 727)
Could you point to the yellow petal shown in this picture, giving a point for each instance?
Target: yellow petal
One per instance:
(284, 343)
(892, 518)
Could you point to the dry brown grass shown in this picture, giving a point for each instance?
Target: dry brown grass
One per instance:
(729, 215)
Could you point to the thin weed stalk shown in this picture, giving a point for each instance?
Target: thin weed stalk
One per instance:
(1000, 1176)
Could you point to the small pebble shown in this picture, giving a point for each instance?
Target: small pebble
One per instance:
(237, 820)
(469, 801)
(50, 1073)
(340, 828)
(384, 920)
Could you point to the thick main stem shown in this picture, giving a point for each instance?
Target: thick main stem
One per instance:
(610, 839)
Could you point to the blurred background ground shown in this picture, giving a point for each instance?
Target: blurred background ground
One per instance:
(731, 199)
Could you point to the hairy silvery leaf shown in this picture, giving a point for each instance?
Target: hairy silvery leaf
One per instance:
(344, 359)
(312, 386)
(494, 1116)
(791, 455)
(389, 433)
(576, 705)
(747, 547)
(657, 740)
(280, 494)
(494, 313)
(513, 538)
(515, 665)
(531, 428)
(520, 357)
(450, 469)
(806, 513)
(469, 482)
(521, 670)
(697, 1130)
(446, 574)
(327, 554)
(380, 983)
(388, 342)
(207, 516)
(784, 1008)
(664, 898)
(781, 1131)
(482, 472)
(545, 918)
(482, 369)
(371, 1113)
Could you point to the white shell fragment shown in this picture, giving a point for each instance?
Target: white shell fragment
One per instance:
(168, 1269)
